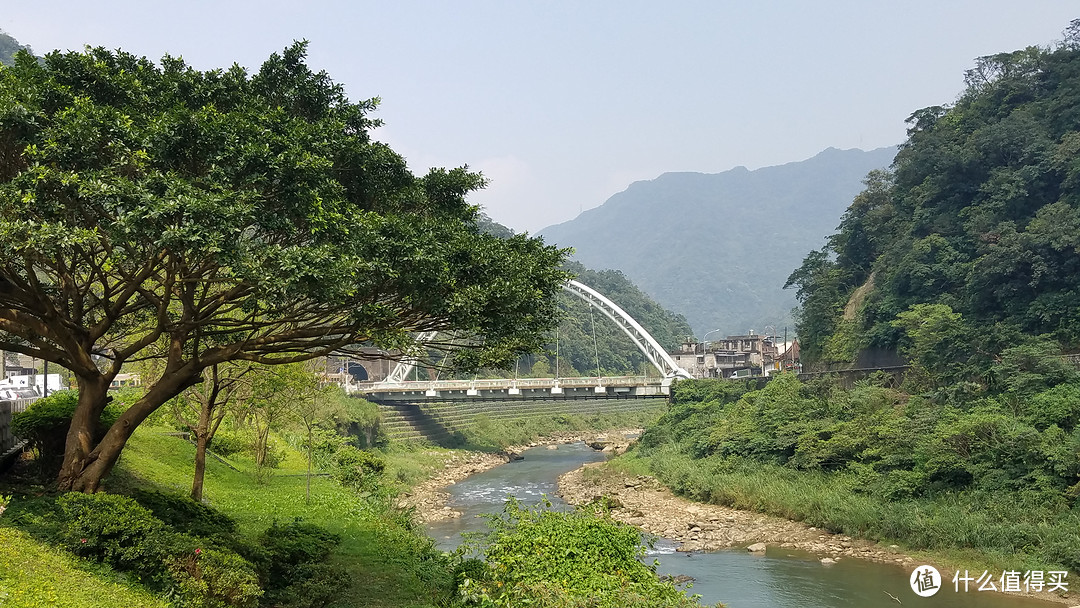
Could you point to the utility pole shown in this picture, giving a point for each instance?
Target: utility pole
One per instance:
(786, 345)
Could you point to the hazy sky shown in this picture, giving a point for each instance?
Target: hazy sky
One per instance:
(562, 104)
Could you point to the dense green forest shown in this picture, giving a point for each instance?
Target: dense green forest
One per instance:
(969, 244)
(8, 47)
(577, 354)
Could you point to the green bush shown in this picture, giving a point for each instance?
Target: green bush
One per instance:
(311, 586)
(297, 543)
(44, 425)
(325, 444)
(537, 556)
(472, 569)
(185, 514)
(197, 571)
(296, 574)
(226, 444)
(118, 531)
(358, 469)
(213, 578)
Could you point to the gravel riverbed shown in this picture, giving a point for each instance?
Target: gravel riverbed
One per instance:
(643, 502)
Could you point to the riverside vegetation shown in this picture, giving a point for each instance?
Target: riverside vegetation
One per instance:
(257, 541)
(989, 481)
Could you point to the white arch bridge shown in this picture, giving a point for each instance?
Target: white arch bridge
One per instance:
(396, 386)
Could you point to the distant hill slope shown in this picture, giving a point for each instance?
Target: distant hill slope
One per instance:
(718, 248)
(8, 47)
(614, 352)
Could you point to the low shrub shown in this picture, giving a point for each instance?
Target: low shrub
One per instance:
(312, 586)
(124, 534)
(44, 425)
(296, 573)
(214, 578)
(185, 514)
(227, 444)
(540, 557)
(358, 469)
(297, 543)
(118, 531)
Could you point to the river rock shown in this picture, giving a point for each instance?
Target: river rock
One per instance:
(756, 548)
(827, 561)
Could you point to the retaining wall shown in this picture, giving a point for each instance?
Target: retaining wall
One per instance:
(436, 421)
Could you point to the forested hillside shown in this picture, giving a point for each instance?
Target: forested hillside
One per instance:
(617, 354)
(8, 47)
(970, 243)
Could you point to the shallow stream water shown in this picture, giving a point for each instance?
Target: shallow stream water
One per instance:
(781, 578)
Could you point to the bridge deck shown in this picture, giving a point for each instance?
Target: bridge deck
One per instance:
(637, 385)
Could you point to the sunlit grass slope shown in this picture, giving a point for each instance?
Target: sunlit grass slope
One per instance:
(390, 566)
(33, 574)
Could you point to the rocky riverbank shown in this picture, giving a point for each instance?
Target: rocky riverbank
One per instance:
(430, 501)
(643, 502)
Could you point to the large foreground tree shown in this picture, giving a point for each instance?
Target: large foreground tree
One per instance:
(162, 213)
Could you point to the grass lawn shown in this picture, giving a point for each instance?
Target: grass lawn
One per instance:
(391, 565)
(35, 574)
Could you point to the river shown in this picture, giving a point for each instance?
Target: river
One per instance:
(781, 578)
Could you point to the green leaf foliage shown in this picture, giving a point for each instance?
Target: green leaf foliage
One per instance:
(156, 211)
(541, 557)
(979, 214)
(876, 461)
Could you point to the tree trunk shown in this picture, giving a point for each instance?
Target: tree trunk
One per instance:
(200, 468)
(309, 464)
(93, 395)
(202, 437)
(85, 464)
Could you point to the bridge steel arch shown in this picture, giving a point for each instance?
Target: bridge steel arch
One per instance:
(641, 338)
(404, 367)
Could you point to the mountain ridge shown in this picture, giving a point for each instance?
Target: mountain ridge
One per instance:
(717, 247)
